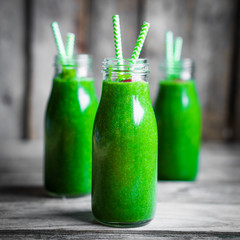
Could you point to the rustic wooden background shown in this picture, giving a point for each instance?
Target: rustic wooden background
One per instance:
(211, 32)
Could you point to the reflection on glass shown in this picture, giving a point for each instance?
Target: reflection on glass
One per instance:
(185, 100)
(84, 99)
(137, 110)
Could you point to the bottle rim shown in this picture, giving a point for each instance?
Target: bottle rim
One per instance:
(114, 65)
(185, 63)
(73, 61)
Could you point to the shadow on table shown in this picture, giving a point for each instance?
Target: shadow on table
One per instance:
(23, 191)
(83, 216)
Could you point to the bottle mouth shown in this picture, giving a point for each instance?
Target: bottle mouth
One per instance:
(125, 70)
(64, 61)
(177, 70)
(126, 65)
(185, 63)
(81, 62)
(75, 60)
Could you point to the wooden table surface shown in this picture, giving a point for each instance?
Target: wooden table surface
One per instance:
(206, 209)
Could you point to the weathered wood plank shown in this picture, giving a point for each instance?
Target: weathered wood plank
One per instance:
(164, 235)
(208, 208)
(27, 109)
(207, 29)
(83, 26)
(37, 211)
(44, 50)
(235, 121)
(11, 68)
(102, 43)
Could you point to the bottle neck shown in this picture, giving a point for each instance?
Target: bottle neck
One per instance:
(79, 66)
(125, 70)
(182, 70)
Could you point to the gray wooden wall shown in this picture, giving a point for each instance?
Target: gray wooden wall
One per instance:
(211, 32)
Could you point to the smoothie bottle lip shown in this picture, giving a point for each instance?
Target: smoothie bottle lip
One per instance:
(77, 59)
(64, 61)
(82, 63)
(145, 60)
(126, 65)
(140, 62)
(183, 69)
(185, 63)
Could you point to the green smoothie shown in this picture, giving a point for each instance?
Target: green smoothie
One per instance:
(178, 116)
(124, 155)
(68, 135)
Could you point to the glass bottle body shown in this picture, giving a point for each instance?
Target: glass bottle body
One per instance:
(124, 149)
(178, 114)
(68, 130)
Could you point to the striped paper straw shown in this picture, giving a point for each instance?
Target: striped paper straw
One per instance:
(117, 36)
(169, 46)
(178, 48)
(70, 44)
(58, 39)
(140, 41)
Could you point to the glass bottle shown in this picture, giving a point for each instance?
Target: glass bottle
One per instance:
(124, 146)
(68, 128)
(178, 114)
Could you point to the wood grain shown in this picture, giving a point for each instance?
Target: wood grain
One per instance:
(81, 234)
(207, 26)
(82, 25)
(207, 29)
(11, 68)
(208, 208)
(235, 117)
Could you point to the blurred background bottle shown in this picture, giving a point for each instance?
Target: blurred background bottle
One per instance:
(178, 115)
(68, 128)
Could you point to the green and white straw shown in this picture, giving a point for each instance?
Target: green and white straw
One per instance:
(173, 55)
(173, 48)
(70, 44)
(58, 39)
(117, 36)
(169, 46)
(140, 41)
(178, 48)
